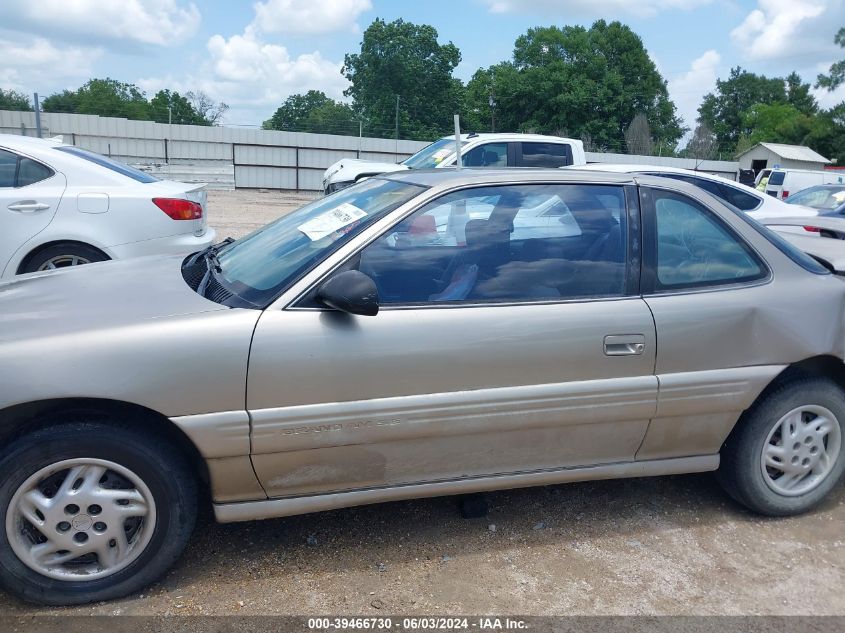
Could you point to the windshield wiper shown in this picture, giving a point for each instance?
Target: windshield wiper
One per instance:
(211, 262)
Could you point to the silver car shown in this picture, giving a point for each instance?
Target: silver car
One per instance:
(362, 350)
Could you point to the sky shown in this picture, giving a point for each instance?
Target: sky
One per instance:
(253, 55)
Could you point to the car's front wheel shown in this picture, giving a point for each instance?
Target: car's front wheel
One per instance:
(91, 512)
(788, 451)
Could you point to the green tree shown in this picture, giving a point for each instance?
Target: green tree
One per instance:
(723, 110)
(777, 123)
(404, 59)
(489, 84)
(64, 101)
(313, 112)
(587, 83)
(827, 135)
(167, 106)
(14, 100)
(836, 74)
(798, 95)
(104, 97)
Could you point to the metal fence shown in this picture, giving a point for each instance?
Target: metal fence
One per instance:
(227, 157)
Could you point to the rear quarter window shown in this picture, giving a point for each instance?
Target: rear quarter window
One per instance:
(777, 178)
(546, 155)
(30, 172)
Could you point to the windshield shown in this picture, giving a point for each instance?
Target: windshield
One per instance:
(108, 163)
(431, 156)
(823, 198)
(266, 262)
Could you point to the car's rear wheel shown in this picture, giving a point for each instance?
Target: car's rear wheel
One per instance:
(63, 255)
(788, 451)
(91, 512)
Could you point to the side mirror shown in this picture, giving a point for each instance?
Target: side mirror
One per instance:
(350, 291)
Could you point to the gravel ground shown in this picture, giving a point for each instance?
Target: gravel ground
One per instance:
(673, 545)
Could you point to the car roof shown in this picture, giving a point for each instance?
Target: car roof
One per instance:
(632, 168)
(27, 143)
(450, 176)
(513, 136)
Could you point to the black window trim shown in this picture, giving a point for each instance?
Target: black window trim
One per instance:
(305, 300)
(18, 158)
(649, 284)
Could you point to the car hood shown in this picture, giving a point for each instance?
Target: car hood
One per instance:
(348, 169)
(102, 295)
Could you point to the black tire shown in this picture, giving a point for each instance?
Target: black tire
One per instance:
(162, 468)
(63, 250)
(740, 472)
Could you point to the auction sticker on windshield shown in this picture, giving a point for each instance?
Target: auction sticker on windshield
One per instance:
(441, 154)
(331, 221)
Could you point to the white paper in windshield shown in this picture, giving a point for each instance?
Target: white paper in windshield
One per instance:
(440, 155)
(331, 221)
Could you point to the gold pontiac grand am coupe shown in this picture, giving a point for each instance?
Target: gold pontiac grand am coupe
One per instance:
(418, 334)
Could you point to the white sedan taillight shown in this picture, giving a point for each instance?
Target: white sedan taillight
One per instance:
(179, 208)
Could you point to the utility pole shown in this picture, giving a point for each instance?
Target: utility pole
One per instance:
(493, 100)
(397, 127)
(458, 162)
(360, 136)
(37, 114)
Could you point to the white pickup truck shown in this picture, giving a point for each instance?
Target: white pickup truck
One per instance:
(477, 150)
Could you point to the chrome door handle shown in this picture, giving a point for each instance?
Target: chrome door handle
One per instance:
(28, 206)
(624, 344)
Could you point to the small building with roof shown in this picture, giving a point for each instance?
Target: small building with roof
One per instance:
(772, 155)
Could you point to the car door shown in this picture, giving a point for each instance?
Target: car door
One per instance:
(30, 193)
(704, 284)
(501, 355)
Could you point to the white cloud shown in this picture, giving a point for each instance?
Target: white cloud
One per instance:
(688, 88)
(268, 70)
(308, 16)
(37, 63)
(793, 30)
(254, 76)
(590, 7)
(158, 22)
(828, 99)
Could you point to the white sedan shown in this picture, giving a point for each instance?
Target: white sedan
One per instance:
(756, 204)
(61, 205)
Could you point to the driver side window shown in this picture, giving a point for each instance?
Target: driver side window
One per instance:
(504, 244)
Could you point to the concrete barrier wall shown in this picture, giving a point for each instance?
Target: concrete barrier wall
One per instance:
(228, 157)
